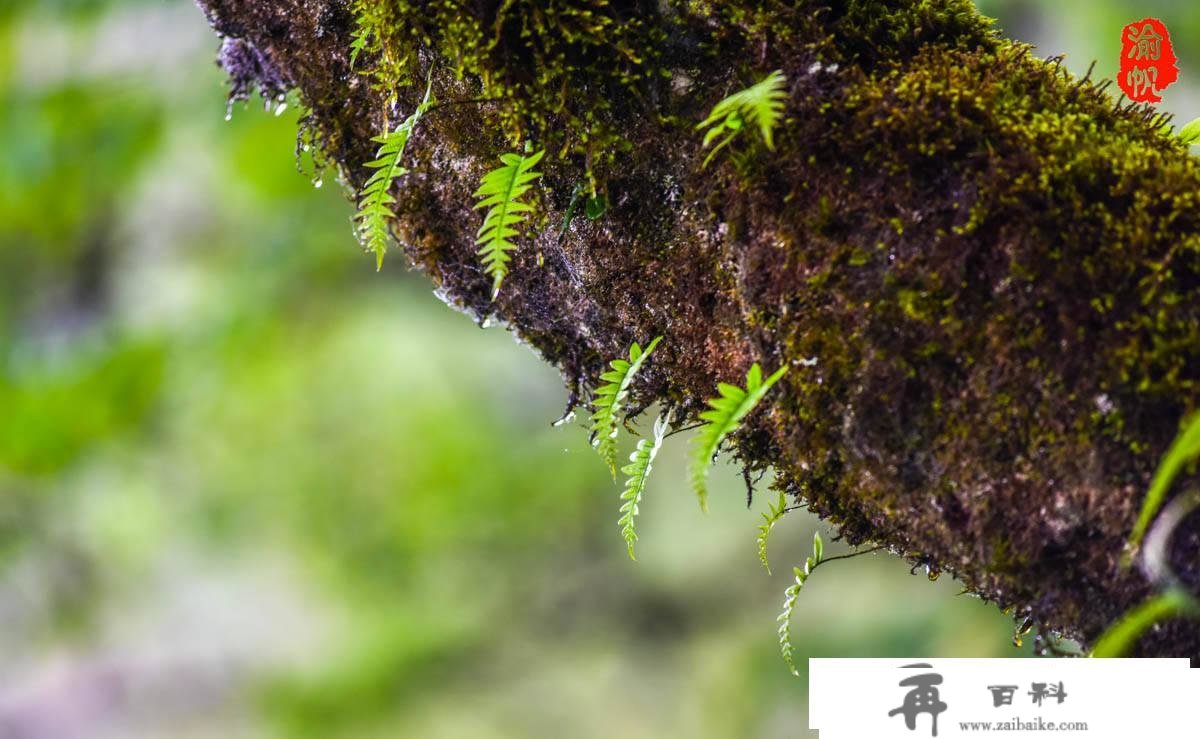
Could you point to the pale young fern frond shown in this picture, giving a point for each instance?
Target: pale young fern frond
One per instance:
(375, 199)
(770, 518)
(637, 471)
(728, 410)
(500, 192)
(759, 105)
(789, 601)
(610, 396)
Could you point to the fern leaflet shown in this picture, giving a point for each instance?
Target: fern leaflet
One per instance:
(789, 601)
(360, 38)
(500, 192)
(758, 105)
(770, 518)
(727, 412)
(637, 471)
(374, 202)
(609, 397)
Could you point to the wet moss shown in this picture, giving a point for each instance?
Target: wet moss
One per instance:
(985, 272)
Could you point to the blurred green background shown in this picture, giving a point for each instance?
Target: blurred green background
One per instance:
(249, 487)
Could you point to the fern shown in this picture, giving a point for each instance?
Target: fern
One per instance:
(374, 203)
(361, 38)
(727, 412)
(770, 518)
(789, 601)
(500, 192)
(638, 470)
(759, 105)
(609, 397)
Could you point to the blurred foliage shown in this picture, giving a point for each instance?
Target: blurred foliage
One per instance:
(229, 447)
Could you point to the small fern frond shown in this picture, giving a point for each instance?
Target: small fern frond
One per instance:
(637, 471)
(500, 192)
(789, 602)
(608, 400)
(759, 105)
(728, 410)
(375, 199)
(360, 38)
(770, 518)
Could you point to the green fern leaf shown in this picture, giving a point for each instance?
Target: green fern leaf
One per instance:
(375, 199)
(770, 518)
(608, 400)
(500, 192)
(789, 602)
(637, 471)
(360, 38)
(759, 105)
(725, 418)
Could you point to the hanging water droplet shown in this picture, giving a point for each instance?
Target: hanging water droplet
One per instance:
(229, 110)
(1021, 630)
(565, 419)
(318, 182)
(279, 109)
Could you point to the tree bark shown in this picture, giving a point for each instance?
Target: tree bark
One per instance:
(984, 272)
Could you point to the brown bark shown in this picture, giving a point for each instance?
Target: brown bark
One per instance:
(984, 273)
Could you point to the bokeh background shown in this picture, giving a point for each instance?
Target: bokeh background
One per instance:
(251, 488)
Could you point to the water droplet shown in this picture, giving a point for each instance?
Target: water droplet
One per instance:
(229, 110)
(318, 182)
(280, 108)
(565, 419)
(1021, 630)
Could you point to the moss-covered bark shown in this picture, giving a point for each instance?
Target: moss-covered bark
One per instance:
(985, 272)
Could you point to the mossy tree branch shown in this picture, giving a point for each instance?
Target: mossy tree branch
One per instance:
(984, 273)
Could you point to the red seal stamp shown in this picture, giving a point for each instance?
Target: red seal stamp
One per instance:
(1147, 60)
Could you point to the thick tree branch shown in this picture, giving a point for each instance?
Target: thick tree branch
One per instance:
(984, 271)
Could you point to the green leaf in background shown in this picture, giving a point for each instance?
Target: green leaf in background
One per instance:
(1121, 637)
(1190, 133)
(1184, 450)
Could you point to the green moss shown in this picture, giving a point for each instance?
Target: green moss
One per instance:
(991, 267)
(558, 72)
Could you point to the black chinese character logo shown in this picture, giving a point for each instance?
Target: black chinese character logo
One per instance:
(1002, 695)
(923, 698)
(1041, 691)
